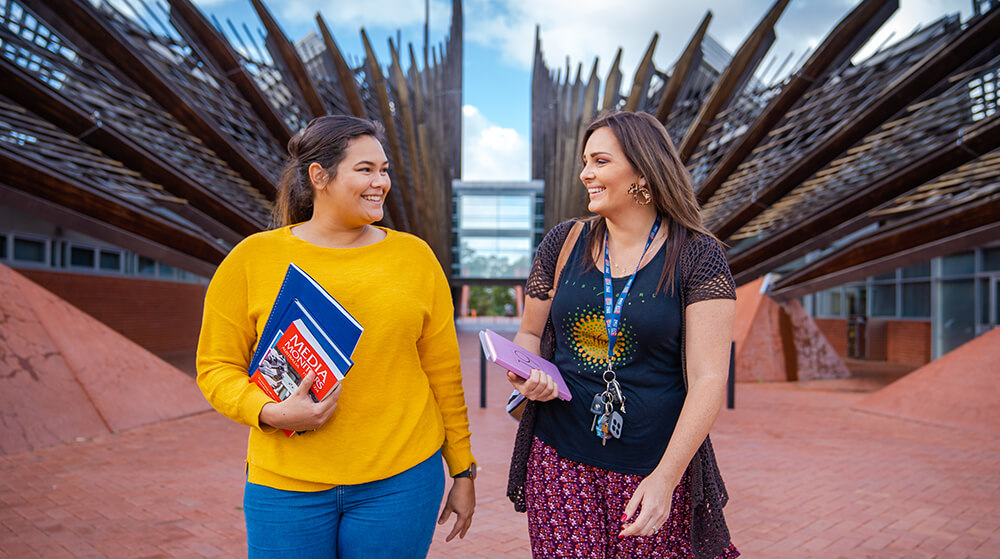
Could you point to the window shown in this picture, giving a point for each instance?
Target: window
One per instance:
(494, 257)
(916, 300)
(166, 271)
(991, 259)
(956, 314)
(959, 264)
(883, 300)
(856, 298)
(147, 266)
(3, 247)
(29, 250)
(984, 301)
(496, 212)
(81, 257)
(111, 261)
(831, 303)
(918, 271)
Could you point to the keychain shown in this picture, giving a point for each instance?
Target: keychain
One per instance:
(608, 422)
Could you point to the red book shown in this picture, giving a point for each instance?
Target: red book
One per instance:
(290, 358)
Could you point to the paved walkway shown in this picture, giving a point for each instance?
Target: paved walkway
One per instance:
(808, 477)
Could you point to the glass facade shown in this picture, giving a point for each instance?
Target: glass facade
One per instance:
(30, 250)
(958, 293)
(497, 227)
(511, 212)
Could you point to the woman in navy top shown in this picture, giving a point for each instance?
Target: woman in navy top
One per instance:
(639, 322)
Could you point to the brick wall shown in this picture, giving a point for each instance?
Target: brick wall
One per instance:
(161, 316)
(878, 343)
(908, 341)
(835, 331)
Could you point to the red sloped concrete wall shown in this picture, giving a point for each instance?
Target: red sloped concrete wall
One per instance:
(65, 375)
(960, 389)
(757, 333)
(815, 357)
(161, 316)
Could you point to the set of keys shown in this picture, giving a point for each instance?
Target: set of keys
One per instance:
(607, 421)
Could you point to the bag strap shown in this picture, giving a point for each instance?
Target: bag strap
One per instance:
(564, 252)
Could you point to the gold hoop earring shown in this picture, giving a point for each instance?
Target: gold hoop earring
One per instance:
(640, 194)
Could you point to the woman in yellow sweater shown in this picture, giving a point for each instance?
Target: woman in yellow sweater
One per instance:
(365, 478)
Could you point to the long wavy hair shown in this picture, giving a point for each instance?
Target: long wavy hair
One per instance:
(324, 140)
(647, 146)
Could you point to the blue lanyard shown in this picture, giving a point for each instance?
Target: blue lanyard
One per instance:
(613, 317)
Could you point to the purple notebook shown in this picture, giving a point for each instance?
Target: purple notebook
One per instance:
(520, 361)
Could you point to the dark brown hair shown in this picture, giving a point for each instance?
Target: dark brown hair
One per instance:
(324, 140)
(647, 146)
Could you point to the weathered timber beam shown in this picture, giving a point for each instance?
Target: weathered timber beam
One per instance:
(854, 29)
(57, 188)
(91, 25)
(436, 229)
(220, 51)
(344, 74)
(952, 231)
(453, 80)
(640, 81)
(291, 60)
(886, 245)
(588, 107)
(613, 83)
(100, 229)
(107, 138)
(923, 75)
(397, 209)
(733, 75)
(847, 215)
(540, 94)
(417, 78)
(682, 69)
(418, 196)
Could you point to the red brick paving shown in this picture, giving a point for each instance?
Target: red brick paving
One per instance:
(808, 477)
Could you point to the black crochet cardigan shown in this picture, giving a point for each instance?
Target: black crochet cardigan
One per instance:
(704, 274)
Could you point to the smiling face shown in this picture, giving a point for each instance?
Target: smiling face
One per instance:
(607, 174)
(354, 196)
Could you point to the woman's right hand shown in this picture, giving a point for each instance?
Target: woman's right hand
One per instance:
(298, 412)
(539, 386)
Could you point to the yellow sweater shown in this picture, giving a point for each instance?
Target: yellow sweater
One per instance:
(402, 400)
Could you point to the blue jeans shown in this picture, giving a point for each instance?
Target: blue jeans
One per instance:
(393, 517)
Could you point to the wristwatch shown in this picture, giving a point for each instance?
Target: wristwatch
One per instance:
(469, 473)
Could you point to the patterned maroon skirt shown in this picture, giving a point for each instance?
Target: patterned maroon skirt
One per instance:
(575, 510)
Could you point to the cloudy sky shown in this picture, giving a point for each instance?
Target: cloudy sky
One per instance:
(499, 40)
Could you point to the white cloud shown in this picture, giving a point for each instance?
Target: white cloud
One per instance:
(491, 152)
(203, 4)
(584, 29)
(909, 17)
(384, 14)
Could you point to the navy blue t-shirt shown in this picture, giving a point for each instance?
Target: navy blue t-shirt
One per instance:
(647, 365)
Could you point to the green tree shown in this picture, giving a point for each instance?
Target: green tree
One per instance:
(491, 300)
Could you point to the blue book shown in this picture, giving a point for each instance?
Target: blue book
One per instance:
(302, 297)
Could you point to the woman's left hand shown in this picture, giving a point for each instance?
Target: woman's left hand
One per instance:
(655, 494)
(461, 501)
